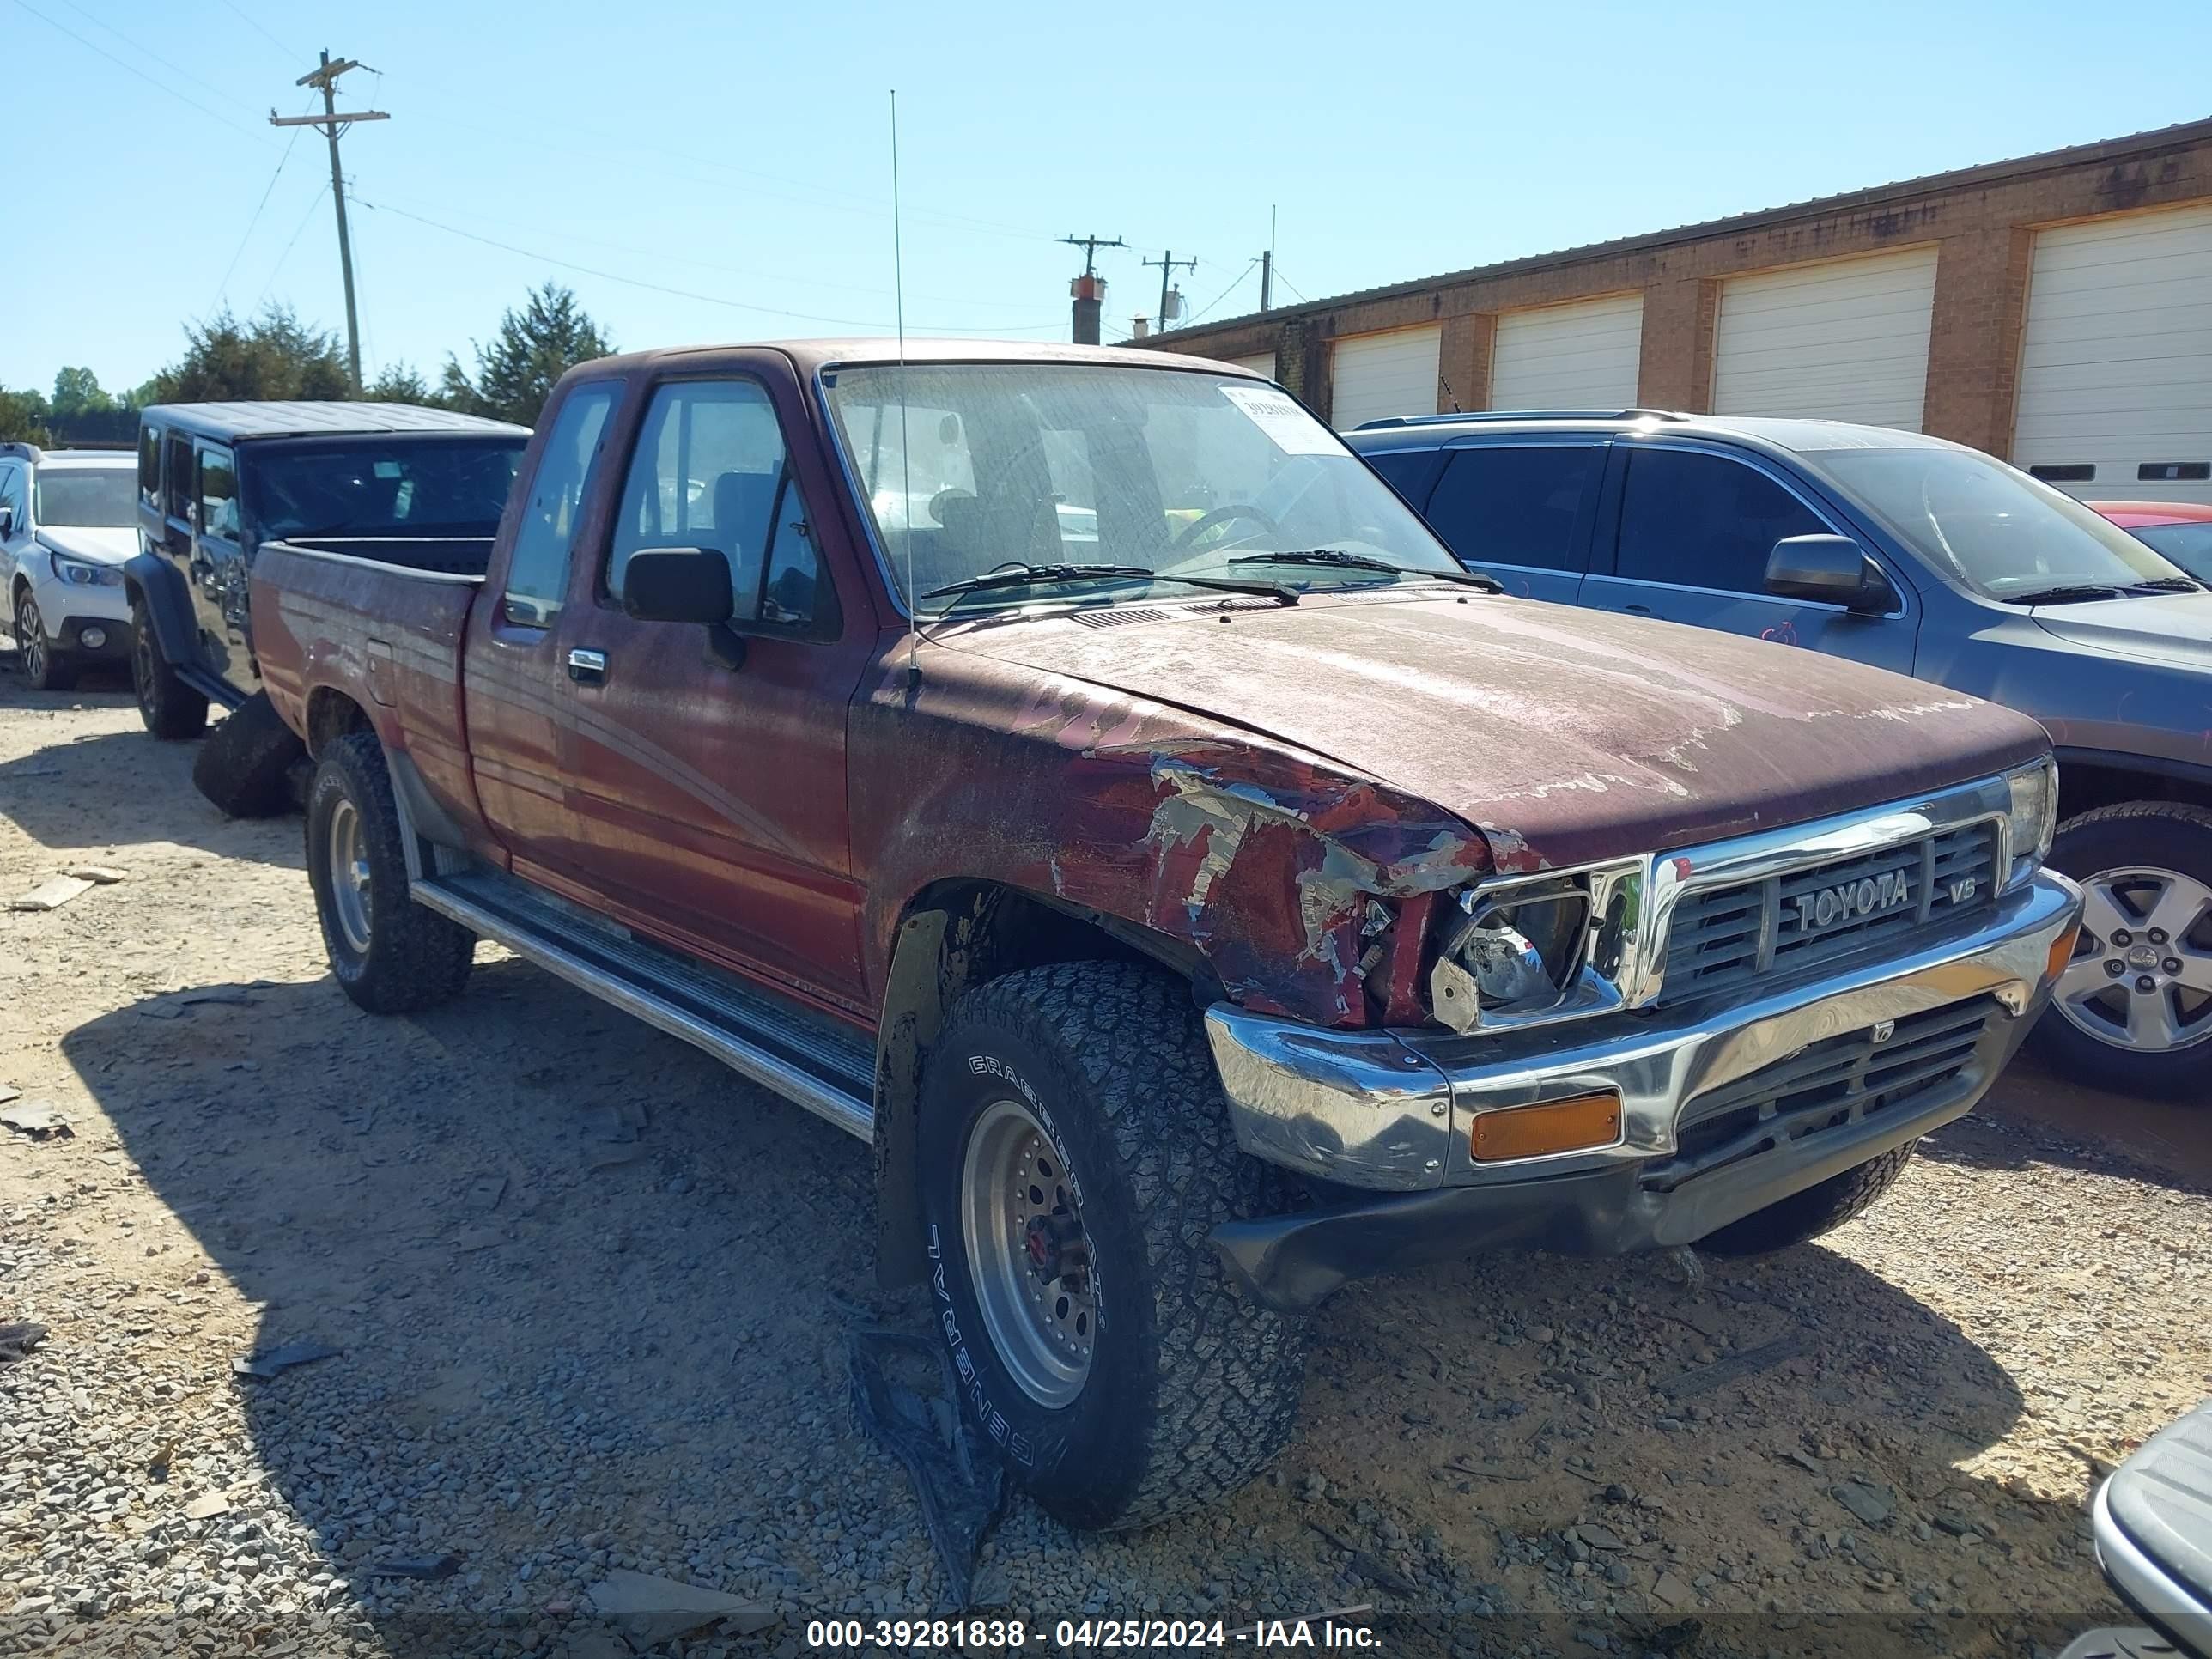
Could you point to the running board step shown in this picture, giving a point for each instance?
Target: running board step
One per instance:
(807, 1059)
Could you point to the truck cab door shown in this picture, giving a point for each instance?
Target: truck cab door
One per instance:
(706, 767)
(217, 565)
(1695, 527)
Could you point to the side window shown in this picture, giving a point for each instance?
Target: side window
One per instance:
(709, 471)
(149, 466)
(1404, 471)
(179, 452)
(1515, 505)
(218, 494)
(11, 494)
(537, 571)
(1701, 521)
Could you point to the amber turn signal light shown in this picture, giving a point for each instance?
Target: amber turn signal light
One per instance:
(2062, 951)
(1572, 1125)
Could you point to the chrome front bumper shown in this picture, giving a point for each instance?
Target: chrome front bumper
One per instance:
(1393, 1111)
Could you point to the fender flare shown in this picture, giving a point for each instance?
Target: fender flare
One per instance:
(168, 604)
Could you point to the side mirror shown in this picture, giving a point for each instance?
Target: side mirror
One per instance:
(677, 584)
(1831, 570)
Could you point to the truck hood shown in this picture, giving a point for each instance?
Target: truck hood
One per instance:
(2174, 628)
(1565, 736)
(94, 546)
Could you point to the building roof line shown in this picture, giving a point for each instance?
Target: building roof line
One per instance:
(2019, 166)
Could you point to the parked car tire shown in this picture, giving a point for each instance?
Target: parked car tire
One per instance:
(46, 664)
(246, 765)
(2133, 1010)
(170, 708)
(390, 954)
(1075, 1151)
(1819, 1209)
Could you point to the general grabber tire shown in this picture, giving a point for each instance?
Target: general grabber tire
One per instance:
(170, 708)
(1819, 1209)
(246, 765)
(391, 955)
(2133, 1010)
(1077, 1106)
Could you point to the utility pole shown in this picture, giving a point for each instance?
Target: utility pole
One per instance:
(1167, 262)
(1090, 289)
(324, 79)
(1268, 265)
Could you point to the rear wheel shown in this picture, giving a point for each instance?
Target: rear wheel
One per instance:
(2133, 1010)
(1819, 1209)
(46, 664)
(1075, 1153)
(391, 955)
(170, 708)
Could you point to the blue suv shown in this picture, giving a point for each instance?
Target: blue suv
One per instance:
(1913, 554)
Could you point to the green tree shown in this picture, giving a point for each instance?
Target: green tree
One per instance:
(398, 383)
(275, 355)
(77, 392)
(534, 347)
(23, 417)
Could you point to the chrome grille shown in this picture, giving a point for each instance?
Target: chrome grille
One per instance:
(1722, 936)
(1828, 1085)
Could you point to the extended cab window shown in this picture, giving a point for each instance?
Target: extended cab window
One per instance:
(710, 470)
(538, 571)
(180, 486)
(1698, 520)
(1516, 505)
(218, 494)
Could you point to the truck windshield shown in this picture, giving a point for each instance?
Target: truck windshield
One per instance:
(408, 486)
(1161, 473)
(2001, 532)
(87, 497)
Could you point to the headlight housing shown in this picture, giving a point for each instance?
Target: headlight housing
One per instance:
(83, 573)
(2031, 814)
(1526, 953)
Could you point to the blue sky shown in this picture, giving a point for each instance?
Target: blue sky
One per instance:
(739, 153)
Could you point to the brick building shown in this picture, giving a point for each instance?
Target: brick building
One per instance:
(2055, 309)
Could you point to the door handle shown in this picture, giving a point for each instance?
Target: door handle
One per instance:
(587, 667)
(1637, 609)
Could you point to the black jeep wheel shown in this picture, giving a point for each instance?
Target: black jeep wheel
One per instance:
(1819, 1209)
(391, 955)
(46, 664)
(1075, 1153)
(170, 708)
(2133, 1010)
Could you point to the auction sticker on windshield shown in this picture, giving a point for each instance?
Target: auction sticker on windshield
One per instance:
(1277, 414)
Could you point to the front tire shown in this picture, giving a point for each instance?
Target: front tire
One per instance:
(1075, 1153)
(389, 954)
(170, 708)
(46, 664)
(2132, 1012)
(1819, 1209)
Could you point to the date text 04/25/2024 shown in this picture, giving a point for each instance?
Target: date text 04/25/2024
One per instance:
(1315, 1631)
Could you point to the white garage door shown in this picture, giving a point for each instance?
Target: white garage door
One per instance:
(1262, 363)
(2116, 364)
(1843, 340)
(1582, 355)
(1373, 375)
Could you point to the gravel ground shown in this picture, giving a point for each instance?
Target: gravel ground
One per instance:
(587, 1293)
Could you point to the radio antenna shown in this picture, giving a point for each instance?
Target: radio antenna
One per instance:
(906, 462)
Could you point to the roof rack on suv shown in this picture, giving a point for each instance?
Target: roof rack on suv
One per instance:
(22, 451)
(1524, 414)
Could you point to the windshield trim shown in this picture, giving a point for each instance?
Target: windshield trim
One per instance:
(856, 498)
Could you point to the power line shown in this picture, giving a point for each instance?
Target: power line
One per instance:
(1225, 292)
(290, 56)
(159, 85)
(1289, 284)
(663, 287)
(224, 287)
(313, 203)
(144, 51)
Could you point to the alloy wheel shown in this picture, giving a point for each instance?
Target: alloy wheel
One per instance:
(1029, 1253)
(350, 876)
(2140, 976)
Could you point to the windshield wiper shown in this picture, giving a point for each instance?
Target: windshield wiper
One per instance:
(2166, 584)
(2067, 594)
(1344, 561)
(1049, 575)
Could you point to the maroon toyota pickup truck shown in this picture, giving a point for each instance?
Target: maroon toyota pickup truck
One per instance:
(1078, 776)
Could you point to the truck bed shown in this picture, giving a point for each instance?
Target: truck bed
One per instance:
(385, 635)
